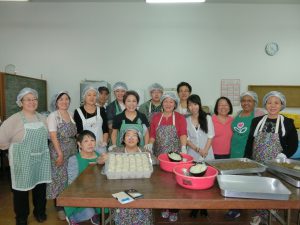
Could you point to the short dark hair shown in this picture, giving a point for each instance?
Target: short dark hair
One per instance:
(134, 93)
(84, 133)
(181, 84)
(227, 100)
(103, 88)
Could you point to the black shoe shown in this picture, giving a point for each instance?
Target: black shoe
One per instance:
(194, 213)
(21, 222)
(203, 212)
(41, 218)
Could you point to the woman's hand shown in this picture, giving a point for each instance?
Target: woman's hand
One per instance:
(60, 160)
(202, 152)
(102, 158)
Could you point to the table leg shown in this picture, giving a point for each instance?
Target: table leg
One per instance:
(102, 216)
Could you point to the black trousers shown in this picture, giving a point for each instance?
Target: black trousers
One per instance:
(21, 202)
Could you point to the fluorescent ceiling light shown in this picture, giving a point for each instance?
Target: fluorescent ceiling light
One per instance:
(14, 0)
(174, 1)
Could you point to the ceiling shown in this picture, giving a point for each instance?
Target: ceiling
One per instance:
(207, 1)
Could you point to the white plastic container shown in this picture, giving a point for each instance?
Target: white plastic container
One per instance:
(128, 165)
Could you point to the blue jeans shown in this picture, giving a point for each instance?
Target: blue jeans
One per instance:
(84, 215)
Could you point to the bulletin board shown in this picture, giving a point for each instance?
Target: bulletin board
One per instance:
(291, 92)
(11, 84)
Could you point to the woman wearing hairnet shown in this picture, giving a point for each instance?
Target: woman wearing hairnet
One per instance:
(152, 106)
(93, 118)
(26, 135)
(168, 132)
(271, 136)
(241, 128)
(117, 106)
(62, 129)
(131, 137)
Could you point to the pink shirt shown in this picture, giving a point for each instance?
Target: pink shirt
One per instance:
(180, 123)
(222, 139)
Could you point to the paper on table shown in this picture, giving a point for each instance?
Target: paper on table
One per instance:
(122, 197)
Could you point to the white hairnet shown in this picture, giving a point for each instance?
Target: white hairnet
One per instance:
(252, 94)
(24, 92)
(276, 94)
(156, 86)
(169, 95)
(120, 85)
(54, 99)
(87, 89)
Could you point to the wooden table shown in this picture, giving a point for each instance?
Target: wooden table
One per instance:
(92, 189)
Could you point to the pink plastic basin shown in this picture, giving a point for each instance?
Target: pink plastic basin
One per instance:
(166, 165)
(196, 183)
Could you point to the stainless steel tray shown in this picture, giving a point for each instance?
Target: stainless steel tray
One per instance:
(272, 165)
(238, 186)
(259, 169)
(291, 180)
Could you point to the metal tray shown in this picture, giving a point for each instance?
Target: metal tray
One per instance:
(291, 180)
(293, 172)
(259, 169)
(238, 186)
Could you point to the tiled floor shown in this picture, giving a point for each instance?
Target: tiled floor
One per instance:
(215, 217)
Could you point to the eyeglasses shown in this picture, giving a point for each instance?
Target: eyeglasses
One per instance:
(131, 136)
(29, 100)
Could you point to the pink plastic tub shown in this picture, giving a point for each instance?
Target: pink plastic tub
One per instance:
(196, 183)
(167, 165)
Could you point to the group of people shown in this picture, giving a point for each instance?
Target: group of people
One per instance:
(159, 125)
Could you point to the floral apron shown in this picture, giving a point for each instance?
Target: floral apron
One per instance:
(94, 124)
(241, 129)
(166, 138)
(124, 127)
(66, 132)
(266, 145)
(30, 159)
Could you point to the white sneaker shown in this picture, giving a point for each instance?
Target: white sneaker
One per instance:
(255, 220)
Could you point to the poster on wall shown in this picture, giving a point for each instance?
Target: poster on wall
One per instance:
(230, 88)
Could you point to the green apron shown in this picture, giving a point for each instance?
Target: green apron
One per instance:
(30, 160)
(241, 129)
(117, 108)
(82, 165)
(137, 126)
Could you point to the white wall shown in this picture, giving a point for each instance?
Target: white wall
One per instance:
(141, 44)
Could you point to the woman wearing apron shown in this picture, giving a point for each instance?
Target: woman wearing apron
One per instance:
(152, 106)
(86, 140)
(241, 128)
(129, 116)
(271, 136)
(91, 117)
(26, 135)
(168, 132)
(117, 106)
(131, 136)
(62, 129)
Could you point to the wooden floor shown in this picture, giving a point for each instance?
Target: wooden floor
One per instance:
(216, 217)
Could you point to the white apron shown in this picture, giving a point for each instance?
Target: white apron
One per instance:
(94, 124)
